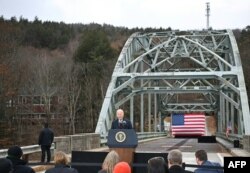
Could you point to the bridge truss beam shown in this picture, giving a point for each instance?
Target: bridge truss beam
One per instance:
(194, 71)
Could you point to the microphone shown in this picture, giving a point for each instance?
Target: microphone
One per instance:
(122, 123)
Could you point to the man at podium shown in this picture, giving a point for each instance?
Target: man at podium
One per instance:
(121, 122)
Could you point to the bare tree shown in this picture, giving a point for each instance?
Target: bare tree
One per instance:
(45, 81)
(72, 88)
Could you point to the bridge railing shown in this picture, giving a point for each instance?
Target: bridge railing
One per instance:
(231, 137)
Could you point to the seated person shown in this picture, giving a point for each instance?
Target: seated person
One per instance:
(5, 165)
(175, 162)
(14, 155)
(201, 159)
(109, 162)
(122, 167)
(61, 164)
(157, 165)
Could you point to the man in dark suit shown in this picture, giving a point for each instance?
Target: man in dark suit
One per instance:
(46, 138)
(121, 122)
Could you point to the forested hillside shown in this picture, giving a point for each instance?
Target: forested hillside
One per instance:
(243, 40)
(59, 73)
(54, 72)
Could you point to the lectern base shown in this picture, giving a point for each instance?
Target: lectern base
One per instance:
(126, 154)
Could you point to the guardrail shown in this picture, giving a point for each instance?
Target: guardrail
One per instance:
(27, 150)
(146, 135)
(231, 137)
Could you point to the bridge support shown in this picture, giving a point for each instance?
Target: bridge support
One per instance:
(142, 114)
(179, 71)
(132, 110)
(149, 113)
(155, 112)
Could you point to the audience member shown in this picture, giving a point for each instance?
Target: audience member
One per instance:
(157, 165)
(122, 167)
(109, 162)
(5, 165)
(61, 164)
(14, 155)
(175, 162)
(201, 159)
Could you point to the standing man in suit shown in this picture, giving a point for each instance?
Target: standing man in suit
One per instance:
(46, 138)
(121, 122)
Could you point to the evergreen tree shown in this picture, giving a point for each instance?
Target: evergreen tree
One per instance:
(94, 47)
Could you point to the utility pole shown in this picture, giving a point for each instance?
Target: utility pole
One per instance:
(208, 14)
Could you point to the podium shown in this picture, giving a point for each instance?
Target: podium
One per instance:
(124, 142)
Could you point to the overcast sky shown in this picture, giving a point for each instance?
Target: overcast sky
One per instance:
(177, 14)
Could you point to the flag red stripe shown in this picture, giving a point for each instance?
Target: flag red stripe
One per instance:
(188, 133)
(195, 120)
(194, 124)
(189, 126)
(189, 130)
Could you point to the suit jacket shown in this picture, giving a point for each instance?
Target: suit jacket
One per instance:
(46, 137)
(59, 168)
(178, 169)
(126, 124)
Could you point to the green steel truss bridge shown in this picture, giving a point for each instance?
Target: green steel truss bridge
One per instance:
(161, 73)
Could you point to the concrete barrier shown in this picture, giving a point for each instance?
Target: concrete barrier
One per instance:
(62, 143)
(246, 142)
(77, 142)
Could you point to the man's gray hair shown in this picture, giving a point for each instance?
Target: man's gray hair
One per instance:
(175, 157)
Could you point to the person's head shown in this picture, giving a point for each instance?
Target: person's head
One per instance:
(120, 114)
(46, 125)
(122, 167)
(61, 158)
(157, 165)
(174, 158)
(15, 151)
(201, 156)
(110, 161)
(5, 165)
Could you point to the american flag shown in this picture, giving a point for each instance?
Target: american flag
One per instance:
(188, 124)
